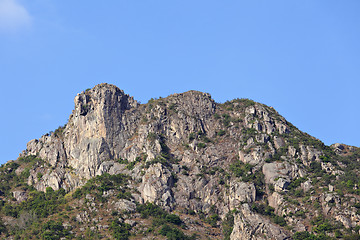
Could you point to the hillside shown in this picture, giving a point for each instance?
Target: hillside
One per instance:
(180, 167)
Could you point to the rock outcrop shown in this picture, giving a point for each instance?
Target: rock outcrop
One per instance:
(251, 226)
(187, 153)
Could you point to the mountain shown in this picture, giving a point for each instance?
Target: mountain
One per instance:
(180, 167)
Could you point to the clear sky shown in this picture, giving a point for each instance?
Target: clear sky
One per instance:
(301, 57)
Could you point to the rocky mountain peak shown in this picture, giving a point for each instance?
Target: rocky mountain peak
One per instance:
(104, 96)
(237, 163)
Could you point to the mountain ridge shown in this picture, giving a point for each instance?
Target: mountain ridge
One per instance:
(239, 167)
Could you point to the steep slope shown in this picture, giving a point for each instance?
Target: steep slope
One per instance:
(236, 170)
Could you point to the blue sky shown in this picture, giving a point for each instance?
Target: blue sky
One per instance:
(301, 57)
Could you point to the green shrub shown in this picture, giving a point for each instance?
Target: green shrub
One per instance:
(240, 169)
(221, 133)
(300, 214)
(304, 236)
(164, 219)
(122, 161)
(52, 230)
(150, 209)
(268, 211)
(173, 107)
(228, 225)
(123, 194)
(212, 220)
(201, 145)
(226, 119)
(279, 220)
(249, 132)
(120, 231)
(105, 182)
(322, 228)
(299, 193)
(245, 102)
(315, 167)
(40, 203)
(191, 136)
(8, 177)
(2, 227)
(172, 218)
(173, 233)
(354, 236)
(59, 131)
(39, 176)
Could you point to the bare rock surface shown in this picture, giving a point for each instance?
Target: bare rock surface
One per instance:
(249, 225)
(205, 160)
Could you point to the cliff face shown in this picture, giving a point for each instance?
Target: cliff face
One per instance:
(188, 152)
(107, 125)
(97, 131)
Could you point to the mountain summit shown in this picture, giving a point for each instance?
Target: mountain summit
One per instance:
(180, 167)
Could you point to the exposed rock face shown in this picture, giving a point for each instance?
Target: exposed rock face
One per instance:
(125, 205)
(97, 129)
(156, 185)
(280, 174)
(96, 132)
(106, 125)
(241, 192)
(249, 225)
(20, 195)
(188, 152)
(276, 201)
